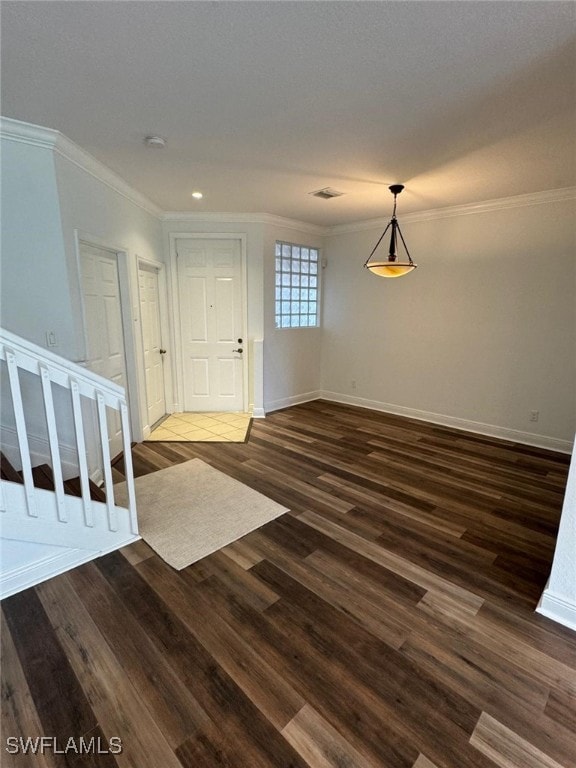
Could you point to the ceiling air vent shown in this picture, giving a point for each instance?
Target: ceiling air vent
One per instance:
(326, 194)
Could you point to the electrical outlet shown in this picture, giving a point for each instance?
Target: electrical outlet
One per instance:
(51, 340)
(534, 415)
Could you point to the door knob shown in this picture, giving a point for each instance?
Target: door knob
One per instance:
(162, 351)
(238, 350)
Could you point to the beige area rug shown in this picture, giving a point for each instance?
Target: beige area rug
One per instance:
(188, 511)
(230, 427)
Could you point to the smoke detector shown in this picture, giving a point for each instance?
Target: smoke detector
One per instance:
(327, 193)
(155, 142)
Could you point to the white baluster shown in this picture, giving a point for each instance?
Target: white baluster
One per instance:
(81, 448)
(53, 441)
(128, 470)
(105, 447)
(21, 355)
(16, 392)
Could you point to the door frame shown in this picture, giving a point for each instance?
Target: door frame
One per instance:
(178, 358)
(164, 331)
(133, 372)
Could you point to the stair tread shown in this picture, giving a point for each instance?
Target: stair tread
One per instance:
(44, 478)
(74, 488)
(7, 471)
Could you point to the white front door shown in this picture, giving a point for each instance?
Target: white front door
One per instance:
(103, 325)
(149, 290)
(210, 293)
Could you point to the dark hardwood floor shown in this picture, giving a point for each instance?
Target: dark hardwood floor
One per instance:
(387, 620)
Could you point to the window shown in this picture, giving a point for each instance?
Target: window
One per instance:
(297, 286)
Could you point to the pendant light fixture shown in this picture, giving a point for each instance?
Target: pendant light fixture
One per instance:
(392, 266)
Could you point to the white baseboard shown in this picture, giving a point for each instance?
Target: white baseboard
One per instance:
(33, 573)
(258, 413)
(558, 609)
(491, 430)
(286, 402)
(39, 452)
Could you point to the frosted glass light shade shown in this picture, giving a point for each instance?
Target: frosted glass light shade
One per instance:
(390, 268)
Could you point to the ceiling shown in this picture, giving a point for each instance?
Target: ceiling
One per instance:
(264, 102)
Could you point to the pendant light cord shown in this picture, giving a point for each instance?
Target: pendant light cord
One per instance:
(393, 222)
(378, 243)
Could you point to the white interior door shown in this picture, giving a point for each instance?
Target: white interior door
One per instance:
(103, 325)
(210, 293)
(149, 288)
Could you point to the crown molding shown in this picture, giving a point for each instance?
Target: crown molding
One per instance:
(79, 157)
(28, 133)
(303, 226)
(48, 138)
(245, 218)
(467, 209)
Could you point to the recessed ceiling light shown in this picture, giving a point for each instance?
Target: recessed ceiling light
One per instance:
(155, 142)
(197, 195)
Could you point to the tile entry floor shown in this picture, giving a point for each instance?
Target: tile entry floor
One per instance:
(203, 427)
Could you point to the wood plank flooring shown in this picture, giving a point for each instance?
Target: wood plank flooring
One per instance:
(387, 621)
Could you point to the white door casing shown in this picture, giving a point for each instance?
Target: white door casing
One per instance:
(210, 292)
(149, 293)
(103, 326)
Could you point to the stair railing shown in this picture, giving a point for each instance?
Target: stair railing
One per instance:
(22, 355)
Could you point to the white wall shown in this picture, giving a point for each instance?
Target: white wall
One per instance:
(291, 355)
(559, 598)
(96, 211)
(47, 200)
(93, 211)
(34, 279)
(34, 283)
(482, 333)
(478, 336)
(54, 194)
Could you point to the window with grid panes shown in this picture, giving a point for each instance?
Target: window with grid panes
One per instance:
(297, 286)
